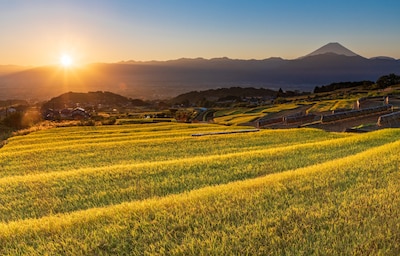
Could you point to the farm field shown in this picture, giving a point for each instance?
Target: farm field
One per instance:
(239, 116)
(156, 189)
(244, 115)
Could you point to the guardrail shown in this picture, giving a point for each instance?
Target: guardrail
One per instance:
(389, 119)
(354, 113)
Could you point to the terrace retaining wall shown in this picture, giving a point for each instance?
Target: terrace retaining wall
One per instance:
(355, 113)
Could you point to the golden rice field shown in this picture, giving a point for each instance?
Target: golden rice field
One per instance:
(331, 105)
(239, 116)
(154, 189)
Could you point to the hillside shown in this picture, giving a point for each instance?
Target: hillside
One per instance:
(222, 94)
(90, 99)
(155, 189)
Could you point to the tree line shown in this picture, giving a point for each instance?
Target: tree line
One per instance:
(382, 83)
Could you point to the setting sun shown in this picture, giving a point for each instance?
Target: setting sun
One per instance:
(66, 60)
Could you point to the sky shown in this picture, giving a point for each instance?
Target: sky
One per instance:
(38, 32)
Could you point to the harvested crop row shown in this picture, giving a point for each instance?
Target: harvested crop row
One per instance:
(137, 148)
(38, 195)
(63, 136)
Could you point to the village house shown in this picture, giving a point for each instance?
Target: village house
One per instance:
(66, 114)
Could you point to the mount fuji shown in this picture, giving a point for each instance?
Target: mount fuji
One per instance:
(334, 48)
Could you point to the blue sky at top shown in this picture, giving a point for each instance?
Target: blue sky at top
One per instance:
(35, 31)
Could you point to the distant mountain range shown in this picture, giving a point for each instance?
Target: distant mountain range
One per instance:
(164, 79)
(9, 69)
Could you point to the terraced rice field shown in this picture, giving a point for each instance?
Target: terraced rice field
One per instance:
(331, 105)
(155, 189)
(246, 115)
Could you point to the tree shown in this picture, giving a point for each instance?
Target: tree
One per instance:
(14, 120)
(280, 93)
(388, 80)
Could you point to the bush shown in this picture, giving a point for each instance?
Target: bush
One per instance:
(386, 81)
(280, 100)
(14, 121)
(109, 121)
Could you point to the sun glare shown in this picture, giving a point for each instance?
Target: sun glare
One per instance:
(66, 60)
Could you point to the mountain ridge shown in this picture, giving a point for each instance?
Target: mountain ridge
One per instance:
(166, 79)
